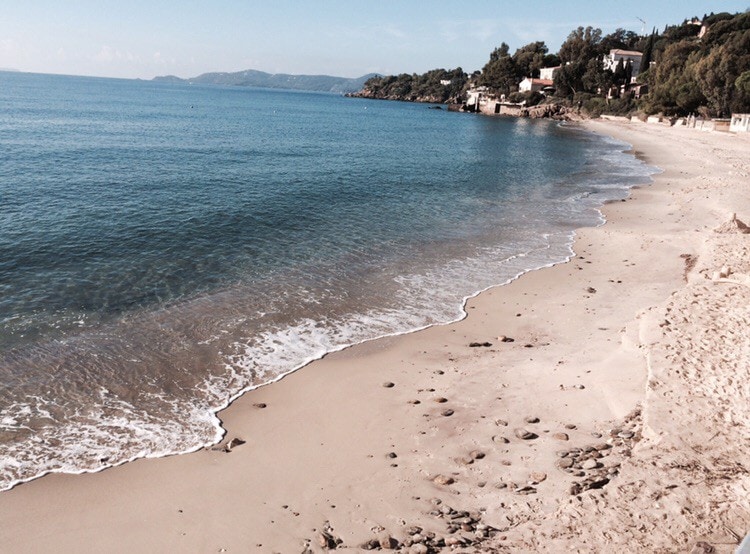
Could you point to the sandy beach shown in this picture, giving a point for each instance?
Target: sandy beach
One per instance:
(596, 406)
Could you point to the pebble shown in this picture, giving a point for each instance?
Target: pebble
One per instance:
(447, 413)
(626, 435)
(419, 548)
(525, 490)
(441, 400)
(260, 405)
(560, 436)
(443, 480)
(565, 463)
(476, 454)
(414, 402)
(590, 464)
(579, 387)
(501, 423)
(591, 290)
(523, 434)
(500, 439)
(537, 476)
(391, 455)
(531, 419)
(389, 385)
(507, 339)
(480, 344)
(570, 426)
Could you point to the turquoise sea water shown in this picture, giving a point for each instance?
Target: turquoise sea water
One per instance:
(165, 247)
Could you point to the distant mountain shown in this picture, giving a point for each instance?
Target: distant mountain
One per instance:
(253, 78)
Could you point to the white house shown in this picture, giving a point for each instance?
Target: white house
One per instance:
(445, 82)
(530, 84)
(615, 55)
(549, 72)
(740, 123)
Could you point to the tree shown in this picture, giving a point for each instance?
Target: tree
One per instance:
(500, 73)
(530, 59)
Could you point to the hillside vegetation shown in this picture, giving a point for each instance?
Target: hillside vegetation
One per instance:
(685, 72)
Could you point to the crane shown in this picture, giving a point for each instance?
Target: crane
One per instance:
(643, 29)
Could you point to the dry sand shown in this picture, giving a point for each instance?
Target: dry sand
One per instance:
(634, 359)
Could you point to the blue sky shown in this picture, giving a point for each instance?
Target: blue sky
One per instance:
(136, 38)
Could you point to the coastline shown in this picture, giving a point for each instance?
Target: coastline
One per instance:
(317, 456)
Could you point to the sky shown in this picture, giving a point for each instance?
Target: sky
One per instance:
(143, 39)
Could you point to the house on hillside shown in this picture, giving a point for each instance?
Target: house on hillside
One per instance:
(548, 73)
(740, 123)
(530, 84)
(626, 56)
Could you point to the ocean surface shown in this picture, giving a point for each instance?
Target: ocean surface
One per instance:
(165, 247)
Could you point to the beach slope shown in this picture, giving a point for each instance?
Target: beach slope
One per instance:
(597, 406)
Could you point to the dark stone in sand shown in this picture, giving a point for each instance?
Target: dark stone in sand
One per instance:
(525, 490)
(392, 455)
(523, 434)
(414, 402)
(443, 480)
(441, 400)
(326, 541)
(388, 385)
(478, 344)
(507, 339)
(560, 436)
(591, 290)
(260, 405)
(565, 463)
(233, 443)
(531, 419)
(570, 426)
(499, 439)
(476, 454)
(501, 422)
(702, 547)
(447, 413)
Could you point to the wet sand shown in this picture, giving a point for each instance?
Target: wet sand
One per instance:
(603, 407)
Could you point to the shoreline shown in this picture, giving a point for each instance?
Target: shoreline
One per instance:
(317, 458)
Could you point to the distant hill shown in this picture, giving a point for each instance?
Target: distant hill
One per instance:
(253, 78)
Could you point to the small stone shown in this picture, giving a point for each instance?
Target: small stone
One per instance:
(389, 385)
(439, 372)
(386, 542)
(476, 454)
(591, 290)
(507, 339)
(579, 387)
(501, 486)
(525, 490)
(626, 435)
(702, 547)
(537, 476)
(414, 530)
(233, 443)
(372, 544)
(447, 413)
(501, 423)
(560, 436)
(590, 464)
(499, 439)
(564, 463)
(523, 434)
(443, 480)
(419, 549)
(570, 426)
(414, 402)
(392, 455)
(480, 344)
(441, 400)
(260, 405)
(326, 541)
(531, 419)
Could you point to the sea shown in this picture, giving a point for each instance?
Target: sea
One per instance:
(166, 247)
